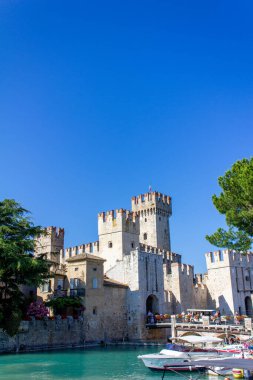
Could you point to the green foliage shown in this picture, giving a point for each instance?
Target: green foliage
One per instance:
(236, 203)
(231, 239)
(61, 303)
(17, 265)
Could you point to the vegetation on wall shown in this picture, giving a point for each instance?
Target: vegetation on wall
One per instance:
(18, 266)
(60, 304)
(236, 203)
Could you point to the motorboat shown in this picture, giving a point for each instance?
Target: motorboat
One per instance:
(183, 353)
(223, 366)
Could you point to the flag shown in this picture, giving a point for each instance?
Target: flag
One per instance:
(150, 188)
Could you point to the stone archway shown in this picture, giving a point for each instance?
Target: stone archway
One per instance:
(152, 304)
(248, 306)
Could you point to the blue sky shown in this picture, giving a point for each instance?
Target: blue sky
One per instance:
(100, 99)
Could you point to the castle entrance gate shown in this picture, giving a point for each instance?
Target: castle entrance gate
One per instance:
(152, 304)
(248, 306)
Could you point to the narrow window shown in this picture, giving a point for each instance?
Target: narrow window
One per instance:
(94, 311)
(94, 283)
(132, 244)
(145, 236)
(109, 244)
(145, 219)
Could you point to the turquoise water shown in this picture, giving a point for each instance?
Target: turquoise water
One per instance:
(115, 362)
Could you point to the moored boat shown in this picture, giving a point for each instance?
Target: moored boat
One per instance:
(181, 353)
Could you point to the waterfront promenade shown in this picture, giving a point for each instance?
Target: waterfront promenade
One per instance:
(222, 328)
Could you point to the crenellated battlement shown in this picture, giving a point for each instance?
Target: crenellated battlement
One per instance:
(118, 214)
(79, 249)
(55, 231)
(118, 220)
(50, 243)
(170, 256)
(187, 269)
(153, 201)
(227, 257)
(184, 269)
(149, 249)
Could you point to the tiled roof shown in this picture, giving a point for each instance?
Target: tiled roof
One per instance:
(114, 283)
(84, 256)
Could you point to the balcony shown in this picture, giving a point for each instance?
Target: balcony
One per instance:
(76, 292)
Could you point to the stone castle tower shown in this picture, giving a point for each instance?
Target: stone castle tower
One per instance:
(236, 271)
(50, 244)
(154, 210)
(122, 231)
(118, 235)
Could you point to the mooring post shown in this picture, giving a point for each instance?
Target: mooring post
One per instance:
(173, 327)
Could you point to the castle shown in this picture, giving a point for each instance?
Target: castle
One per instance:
(131, 270)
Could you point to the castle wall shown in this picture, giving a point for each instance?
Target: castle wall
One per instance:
(143, 272)
(36, 335)
(200, 293)
(179, 284)
(78, 250)
(229, 280)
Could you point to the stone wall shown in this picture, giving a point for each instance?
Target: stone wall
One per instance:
(230, 281)
(66, 333)
(37, 335)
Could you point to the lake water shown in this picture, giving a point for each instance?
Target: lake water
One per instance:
(112, 362)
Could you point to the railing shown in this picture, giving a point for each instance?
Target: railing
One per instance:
(218, 324)
(77, 292)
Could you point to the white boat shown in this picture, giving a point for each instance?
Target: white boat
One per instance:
(225, 366)
(178, 353)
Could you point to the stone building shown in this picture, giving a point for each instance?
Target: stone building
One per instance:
(133, 252)
(131, 270)
(229, 281)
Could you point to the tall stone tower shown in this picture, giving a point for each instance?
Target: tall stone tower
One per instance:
(154, 210)
(118, 235)
(50, 244)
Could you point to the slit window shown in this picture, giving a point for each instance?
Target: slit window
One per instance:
(94, 283)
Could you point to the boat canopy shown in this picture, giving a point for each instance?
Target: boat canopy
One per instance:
(194, 339)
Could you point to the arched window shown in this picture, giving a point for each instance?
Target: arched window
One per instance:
(109, 244)
(145, 236)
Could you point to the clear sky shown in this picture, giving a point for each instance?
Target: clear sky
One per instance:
(100, 99)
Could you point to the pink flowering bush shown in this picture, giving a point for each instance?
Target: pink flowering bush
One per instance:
(38, 310)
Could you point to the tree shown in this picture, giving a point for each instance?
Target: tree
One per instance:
(60, 304)
(236, 203)
(18, 266)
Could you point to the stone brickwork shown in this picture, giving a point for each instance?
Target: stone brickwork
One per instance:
(154, 210)
(50, 244)
(230, 281)
(179, 283)
(35, 335)
(118, 234)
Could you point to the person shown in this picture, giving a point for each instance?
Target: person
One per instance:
(236, 319)
(150, 316)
